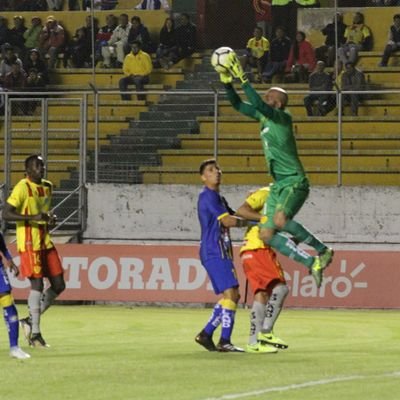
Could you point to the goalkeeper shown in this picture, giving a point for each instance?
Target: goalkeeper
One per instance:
(291, 187)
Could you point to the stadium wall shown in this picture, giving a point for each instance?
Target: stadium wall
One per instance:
(168, 212)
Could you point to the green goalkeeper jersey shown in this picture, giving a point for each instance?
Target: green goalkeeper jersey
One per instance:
(277, 136)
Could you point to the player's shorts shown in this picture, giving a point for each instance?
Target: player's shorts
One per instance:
(262, 269)
(222, 274)
(5, 286)
(40, 264)
(287, 195)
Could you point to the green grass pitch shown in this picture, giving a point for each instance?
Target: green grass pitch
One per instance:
(121, 353)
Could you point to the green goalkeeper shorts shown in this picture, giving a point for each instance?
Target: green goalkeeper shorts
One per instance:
(287, 195)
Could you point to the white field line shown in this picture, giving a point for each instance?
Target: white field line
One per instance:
(296, 386)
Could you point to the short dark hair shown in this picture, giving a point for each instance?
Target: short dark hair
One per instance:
(205, 163)
(136, 18)
(29, 160)
(124, 15)
(396, 16)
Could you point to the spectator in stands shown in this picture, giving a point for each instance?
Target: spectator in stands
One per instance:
(186, 37)
(55, 5)
(104, 34)
(393, 44)
(167, 51)
(327, 53)
(152, 5)
(257, 50)
(358, 37)
(319, 81)
(139, 32)
(8, 60)
(17, 35)
(137, 68)
(117, 42)
(52, 40)
(78, 50)
(301, 59)
(4, 31)
(34, 61)
(90, 35)
(32, 34)
(278, 56)
(16, 80)
(284, 14)
(352, 79)
(32, 5)
(380, 3)
(34, 83)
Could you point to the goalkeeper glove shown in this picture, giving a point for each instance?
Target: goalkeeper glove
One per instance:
(236, 69)
(225, 78)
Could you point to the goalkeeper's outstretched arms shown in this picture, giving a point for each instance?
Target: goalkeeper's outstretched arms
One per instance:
(244, 108)
(255, 99)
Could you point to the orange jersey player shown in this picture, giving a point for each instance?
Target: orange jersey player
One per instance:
(265, 275)
(29, 205)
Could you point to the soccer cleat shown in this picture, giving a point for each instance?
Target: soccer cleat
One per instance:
(317, 272)
(271, 339)
(326, 257)
(260, 348)
(37, 340)
(17, 352)
(235, 68)
(206, 341)
(229, 348)
(26, 326)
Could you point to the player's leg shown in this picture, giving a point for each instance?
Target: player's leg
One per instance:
(257, 276)
(272, 311)
(228, 312)
(10, 316)
(55, 274)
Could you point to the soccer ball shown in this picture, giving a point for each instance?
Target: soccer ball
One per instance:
(219, 59)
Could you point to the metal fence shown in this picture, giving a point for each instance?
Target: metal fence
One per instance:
(90, 136)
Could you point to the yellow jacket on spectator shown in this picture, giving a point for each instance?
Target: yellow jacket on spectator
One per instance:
(258, 47)
(356, 33)
(139, 64)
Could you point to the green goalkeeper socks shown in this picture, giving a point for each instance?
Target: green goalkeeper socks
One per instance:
(289, 249)
(300, 233)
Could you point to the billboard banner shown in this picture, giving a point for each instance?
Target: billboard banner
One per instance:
(173, 273)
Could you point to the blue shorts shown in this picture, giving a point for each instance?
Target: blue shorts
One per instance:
(5, 286)
(222, 274)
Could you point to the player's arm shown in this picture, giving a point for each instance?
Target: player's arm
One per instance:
(246, 211)
(256, 101)
(7, 257)
(10, 213)
(244, 108)
(232, 221)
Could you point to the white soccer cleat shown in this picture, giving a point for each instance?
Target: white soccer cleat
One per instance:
(17, 352)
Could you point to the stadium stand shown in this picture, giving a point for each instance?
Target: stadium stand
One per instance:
(163, 139)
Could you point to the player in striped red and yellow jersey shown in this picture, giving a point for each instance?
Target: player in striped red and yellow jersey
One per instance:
(29, 205)
(265, 275)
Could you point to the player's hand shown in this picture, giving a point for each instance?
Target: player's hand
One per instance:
(52, 219)
(11, 266)
(225, 78)
(236, 69)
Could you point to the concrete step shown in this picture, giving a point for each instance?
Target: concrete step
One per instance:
(161, 124)
(172, 116)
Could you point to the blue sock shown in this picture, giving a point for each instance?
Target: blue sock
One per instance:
(11, 320)
(214, 320)
(228, 320)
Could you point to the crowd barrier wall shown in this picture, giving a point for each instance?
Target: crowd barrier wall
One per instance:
(174, 274)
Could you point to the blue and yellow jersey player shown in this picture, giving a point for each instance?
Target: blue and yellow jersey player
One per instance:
(216, 218)
(7, 301)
